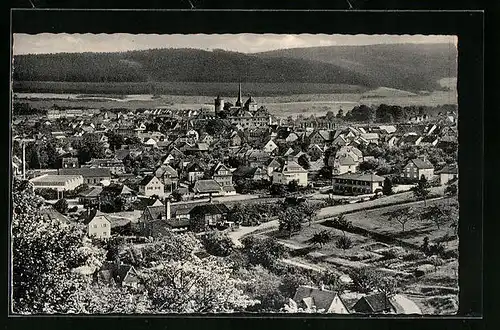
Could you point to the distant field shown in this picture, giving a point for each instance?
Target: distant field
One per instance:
(211, 89)
(281, 106)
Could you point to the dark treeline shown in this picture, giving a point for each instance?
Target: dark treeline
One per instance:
(394, 113)
(194, 65)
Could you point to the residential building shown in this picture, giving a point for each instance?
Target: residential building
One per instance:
(99, 226)
(168, 176)
(117, 273)
(447, 174)
(207, 188)
(290, 171)
(213, 214)
(90, 197)
(222, 175)
(150, 186)
(357, 183)
(418, 167)
(195, 172)
(115, 165)
(378, 303)
(70, 162)
(307, 297)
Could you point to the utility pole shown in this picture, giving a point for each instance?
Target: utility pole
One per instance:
(24, 160)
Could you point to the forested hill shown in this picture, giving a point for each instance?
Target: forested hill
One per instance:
(408, 71)
(391, 65)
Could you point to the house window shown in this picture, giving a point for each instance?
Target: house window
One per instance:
(104, 233)
(103, 225)
(95, 226)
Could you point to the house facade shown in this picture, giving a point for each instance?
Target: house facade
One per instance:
(447, 174)
(416, 168)
(357, 183)
(307, 297)
(99, 227)
(150, 186)
(290, 171)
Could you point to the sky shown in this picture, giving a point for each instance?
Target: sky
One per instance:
(246, 43)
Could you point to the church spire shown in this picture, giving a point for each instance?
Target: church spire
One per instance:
(238, 102)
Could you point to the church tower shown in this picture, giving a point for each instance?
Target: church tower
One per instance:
(238, 102)
(219, 104)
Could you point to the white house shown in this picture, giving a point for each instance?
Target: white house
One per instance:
(326, 301)
(150, 186)
(418, 167)
(270, 146)
(99, 227)
(290, 171)
(447, 174)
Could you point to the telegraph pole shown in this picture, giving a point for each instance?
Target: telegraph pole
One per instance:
(24, 160)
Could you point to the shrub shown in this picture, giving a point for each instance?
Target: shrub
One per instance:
(61, 206)
(344, 243)
(73, 209)
(412, 256)
(217, 244)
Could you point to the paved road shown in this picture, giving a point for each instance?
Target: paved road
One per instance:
(407, 305)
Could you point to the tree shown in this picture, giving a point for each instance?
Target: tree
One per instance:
(402, 216)
(342, 223)
(451, 190)
(89, 147)
(277, 189)
(217, 244)
(387, 188)
(44, 254)
(340, 113)
(115, 140)
(436, 261)
(425, 245)
(388, 285)
(293, 186)
(61, 206)
(264, 286)
(304, 162)
(368, 165)
(112, 299)
(439, 214)
(365, 279)
(290, 221)
(195, 286)
(421, 190)
(262, 251)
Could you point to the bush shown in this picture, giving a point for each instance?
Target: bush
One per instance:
(413, 256)
(47, 193)
(344, 243)
(218, 244)
(61, 206)
(73, 209)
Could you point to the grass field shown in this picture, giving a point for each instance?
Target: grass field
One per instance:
(282, 99)
(415, 230)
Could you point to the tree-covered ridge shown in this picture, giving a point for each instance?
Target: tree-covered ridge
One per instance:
(418, 69)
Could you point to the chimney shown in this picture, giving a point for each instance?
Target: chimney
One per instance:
(210, 199)
(167, 208)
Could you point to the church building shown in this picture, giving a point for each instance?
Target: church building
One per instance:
(247, 115)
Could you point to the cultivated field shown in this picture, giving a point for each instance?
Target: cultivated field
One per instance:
(380, 243)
